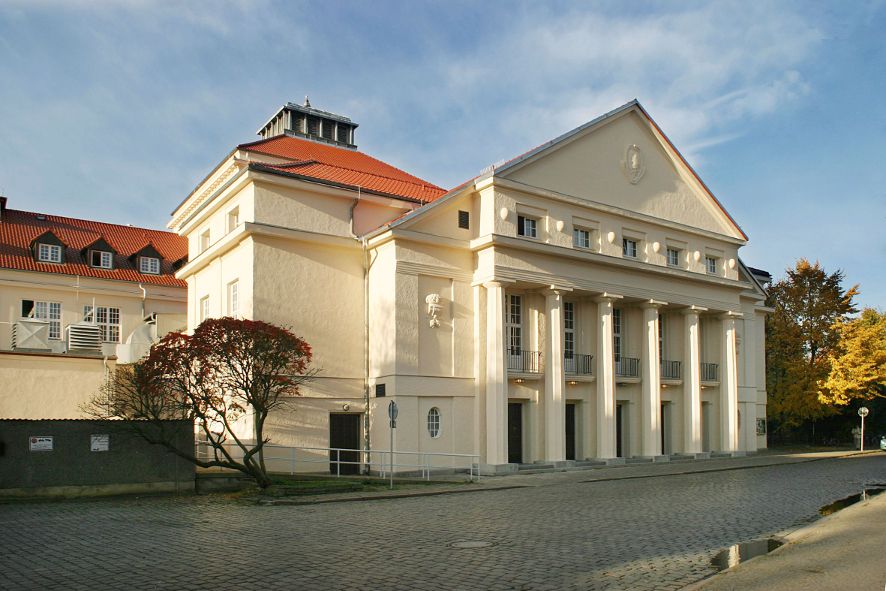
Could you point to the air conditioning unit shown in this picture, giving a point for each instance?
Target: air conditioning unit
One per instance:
(84, 336)
(30, 333)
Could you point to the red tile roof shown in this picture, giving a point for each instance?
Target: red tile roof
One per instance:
(342, 166)
(18, 229)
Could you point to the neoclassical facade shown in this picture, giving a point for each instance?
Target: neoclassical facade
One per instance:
(585, 300)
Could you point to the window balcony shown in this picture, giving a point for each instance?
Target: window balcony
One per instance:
(523, 361)
(710, 372)
(576, 364)
(627, 367)
(670, 370)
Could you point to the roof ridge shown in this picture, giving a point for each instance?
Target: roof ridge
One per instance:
(61, 217)
(409, 182)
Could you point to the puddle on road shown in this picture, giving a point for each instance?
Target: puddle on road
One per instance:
(851, 500)
(745, 551)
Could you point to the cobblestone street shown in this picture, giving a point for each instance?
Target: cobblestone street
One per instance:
(563, 533)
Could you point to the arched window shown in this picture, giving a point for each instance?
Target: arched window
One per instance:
(434, 422)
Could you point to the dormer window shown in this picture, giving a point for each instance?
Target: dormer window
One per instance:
(101, 259)
(149, 265)
(49, 253)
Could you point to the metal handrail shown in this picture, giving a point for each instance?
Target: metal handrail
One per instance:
(579, 364)
(627, 367)
(710, 372)
(523, 361)
(670, 370)
(384, 463)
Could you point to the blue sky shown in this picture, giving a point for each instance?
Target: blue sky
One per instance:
(115, 110)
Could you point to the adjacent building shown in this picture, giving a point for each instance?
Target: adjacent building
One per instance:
(76, 297)
(585, 300)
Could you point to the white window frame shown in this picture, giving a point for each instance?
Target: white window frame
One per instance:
(662, 332)
(581, 238)
(233, 218)
(203, 308)
(108, 318)
(514, 327)
(676, 253)
(710, 264)
(435, 422)
(629, 247)
(617, 331)
(106, 259)
(234, 298)
(203, 240)
(569, 336)
(51, 311)
(49, 253)
(149, 265)
(527, 226)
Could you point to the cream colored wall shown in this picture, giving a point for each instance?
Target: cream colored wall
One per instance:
(48, 386)
(590, 167)
(213, 279)
(214, 217)
(74, 293)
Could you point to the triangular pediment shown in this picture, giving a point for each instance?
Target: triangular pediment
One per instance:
(623, 160)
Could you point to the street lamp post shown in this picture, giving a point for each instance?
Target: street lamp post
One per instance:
(862, 412)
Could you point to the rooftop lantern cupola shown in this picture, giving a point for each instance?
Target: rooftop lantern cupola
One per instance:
(307, 122)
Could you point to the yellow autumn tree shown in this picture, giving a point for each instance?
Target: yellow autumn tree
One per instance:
(858, 362)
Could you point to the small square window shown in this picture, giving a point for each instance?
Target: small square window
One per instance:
(673, 257)
(204, 240)
(149, 265)
(204, 308)
(581, 238)
(711, 265)
(629, 248)
(49, 253)
(464, 220)
(233, 298)
(101, 259)
(527, 227)
(233, 219)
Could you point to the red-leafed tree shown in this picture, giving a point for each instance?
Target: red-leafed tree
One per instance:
(227, 371)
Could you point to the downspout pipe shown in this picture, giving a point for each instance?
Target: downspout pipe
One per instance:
(366, 400)
(144, 297)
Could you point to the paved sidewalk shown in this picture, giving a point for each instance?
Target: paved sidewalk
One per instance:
(597, 474)
(846, 550)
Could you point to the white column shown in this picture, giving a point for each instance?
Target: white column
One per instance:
(650, 405)
(728, 385)
(605, 379)
(496, 376)
(555, 379)
(691, 381)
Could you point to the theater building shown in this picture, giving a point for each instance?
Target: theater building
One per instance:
(583, 301)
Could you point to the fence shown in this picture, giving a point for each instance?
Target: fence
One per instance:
(283, 459)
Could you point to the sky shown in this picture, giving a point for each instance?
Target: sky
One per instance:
(116, 110)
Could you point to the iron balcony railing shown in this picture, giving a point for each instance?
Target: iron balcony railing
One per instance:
(627, 367)
(523, 361)
(670, 370)
(579, 364)
(710, 372)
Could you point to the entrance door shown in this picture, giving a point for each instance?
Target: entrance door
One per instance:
(570, 431)
(705, 426)
(619, 431)
(344, 433)
(666, 428)
(515, 433)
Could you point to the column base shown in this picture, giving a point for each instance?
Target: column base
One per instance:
(728, 454)
(656, 459)
(556, 464)
(701, 455)
(497, 469)
(610, 461)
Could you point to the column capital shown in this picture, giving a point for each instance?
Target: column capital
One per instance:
(555, 290)
(652, 304)
(693, 310)
(731, 315)
(607, 297)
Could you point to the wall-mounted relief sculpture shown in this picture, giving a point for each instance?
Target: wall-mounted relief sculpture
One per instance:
(434, 309)
(634, 164)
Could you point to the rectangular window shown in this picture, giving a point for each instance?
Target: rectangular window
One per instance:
(515, 324)
(527, 227)
(149, 265)
(204, 308)
(233, 218)
(204, 241)
(711, 265)
(108, 319)
(101, 259)
(673, 257)
(51, 311)
(661, 336)
(49, 253)
(581, 238)
(616, 333)
(569, 335)
(629, 248)
(234, 298)
(464, 220)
